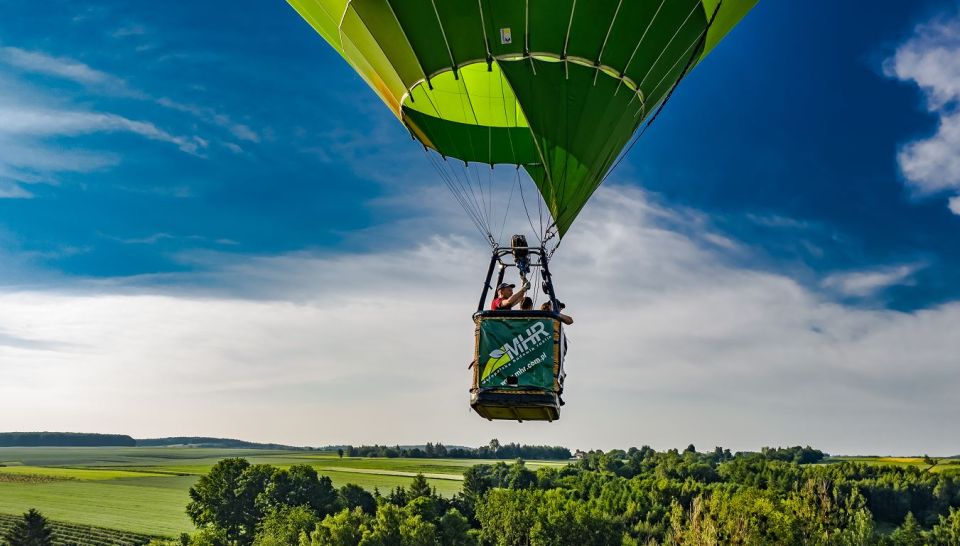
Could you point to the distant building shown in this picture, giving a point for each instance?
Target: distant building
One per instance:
(579, 454)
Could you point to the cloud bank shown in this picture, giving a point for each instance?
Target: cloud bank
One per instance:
(672, 345)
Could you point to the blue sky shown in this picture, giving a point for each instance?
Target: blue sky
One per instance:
(159, 163)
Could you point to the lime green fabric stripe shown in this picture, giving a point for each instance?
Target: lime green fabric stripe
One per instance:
(731, 12)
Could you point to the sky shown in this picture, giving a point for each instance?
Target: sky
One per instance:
(210, 225)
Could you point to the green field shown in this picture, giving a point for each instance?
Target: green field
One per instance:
(144, 490)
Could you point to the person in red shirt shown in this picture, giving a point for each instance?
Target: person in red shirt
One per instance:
(506, 298)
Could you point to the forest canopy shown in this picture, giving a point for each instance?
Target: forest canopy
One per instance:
(789, 496)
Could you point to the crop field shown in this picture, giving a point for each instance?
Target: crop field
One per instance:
(68, 534)
(951, 466)
(145, 490)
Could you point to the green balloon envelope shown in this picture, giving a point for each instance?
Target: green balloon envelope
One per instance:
(557, 87)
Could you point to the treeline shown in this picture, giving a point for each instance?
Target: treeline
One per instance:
(64, 439)
(632, 498)
(203, 441)
(493, 450)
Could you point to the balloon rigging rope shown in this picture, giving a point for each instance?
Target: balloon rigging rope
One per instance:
(460, 195)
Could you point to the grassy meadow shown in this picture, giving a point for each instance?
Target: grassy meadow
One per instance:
(145, 490)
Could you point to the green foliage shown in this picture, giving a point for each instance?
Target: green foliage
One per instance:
(419, 488)
(84, 439)
(225, 498)
(454, 530)
(352, 496)
(493, 450)
(345, 528)
(908, 534)
(298, 486)
(543, 518)
(284, 526)
(32, 530)
(947, 530)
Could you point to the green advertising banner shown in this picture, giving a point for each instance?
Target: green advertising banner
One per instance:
(516, 353)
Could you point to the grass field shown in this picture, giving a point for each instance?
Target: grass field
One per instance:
(145, 490)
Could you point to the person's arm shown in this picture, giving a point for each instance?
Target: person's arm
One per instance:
(566, 319)
(514, 299)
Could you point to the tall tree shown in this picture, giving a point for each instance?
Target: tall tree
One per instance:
(299, 486)
(32, 530)
(226, 498)
(419, 487)
(352, 496)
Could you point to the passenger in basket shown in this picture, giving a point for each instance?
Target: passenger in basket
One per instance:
(566, 319)
(526, 304)
(506, 298)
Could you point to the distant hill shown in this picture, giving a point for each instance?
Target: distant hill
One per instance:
(88, 439)
(203, 441)
(64, 439)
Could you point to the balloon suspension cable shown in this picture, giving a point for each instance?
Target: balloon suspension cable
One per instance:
(683, 74)
(506, 212)
(465, 194)
(527, 211)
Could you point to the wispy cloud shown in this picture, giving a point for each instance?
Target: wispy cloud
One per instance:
(931, 60)
(238, 130)
(11, 190)
(32, 122)
(78, 72)
(870, 282)
(129, 30)
(61, 67)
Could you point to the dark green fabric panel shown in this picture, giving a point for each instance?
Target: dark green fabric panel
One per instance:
(473, 143)
(461, 21)
(504, 14)
(631, 23)
(578, 142)
(423, 30)
(664, 45)
(591, 21)
(548, 24)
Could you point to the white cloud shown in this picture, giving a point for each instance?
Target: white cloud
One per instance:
(933, 164)
(36, 122)
(931, 60)
(671, 346)
(954, 204)
(870, 282)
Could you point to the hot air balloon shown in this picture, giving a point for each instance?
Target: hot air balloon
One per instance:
(556, 88)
